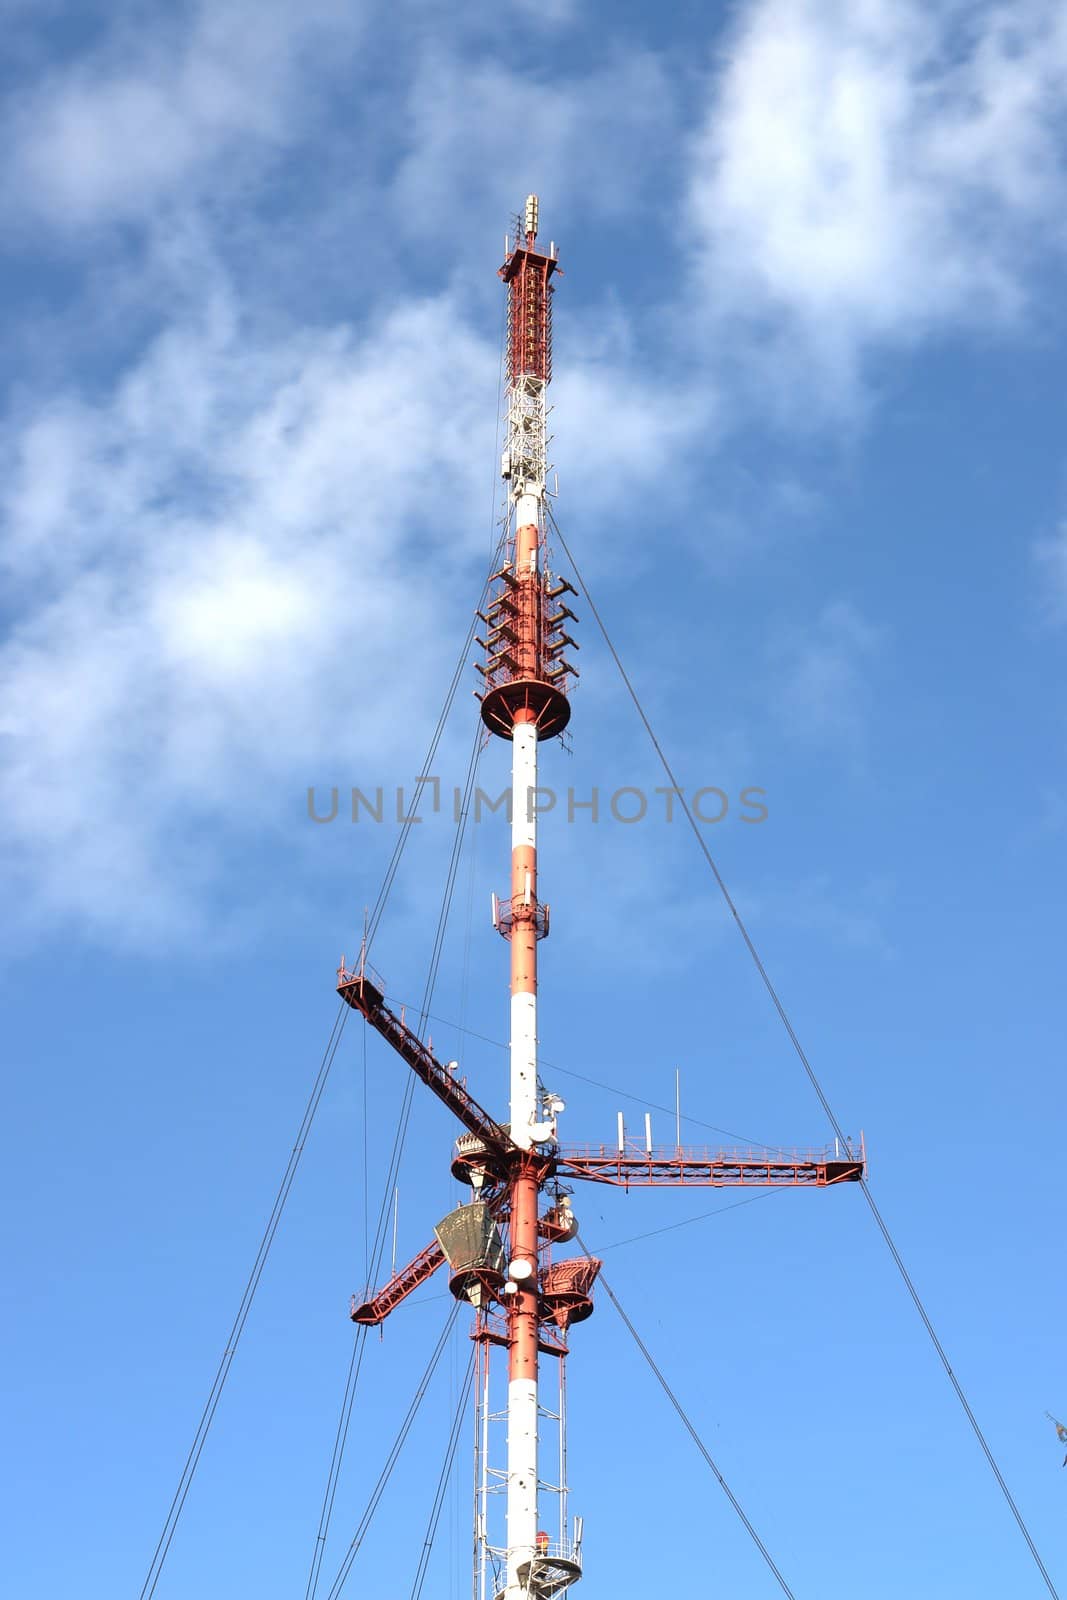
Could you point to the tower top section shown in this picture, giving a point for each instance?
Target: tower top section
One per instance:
(526, 670)
(527, 271)
(525, 224)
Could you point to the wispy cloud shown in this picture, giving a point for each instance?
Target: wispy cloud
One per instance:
(821, 689)
(1050, 556)
(223, 553)
(221, 511)
(156, 109)
(872, 171)
(471, 152)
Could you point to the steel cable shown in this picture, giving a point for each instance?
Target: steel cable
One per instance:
(391, 1460)
(690, 1429)
(374, 1257)
(442, 1482)
(424, 777)
(161, 1551)
(381, 1230)
(427, 998)
(610, 1088)
(211, 1405)
(334, 1476)
(812, 1077)
(687, 1222)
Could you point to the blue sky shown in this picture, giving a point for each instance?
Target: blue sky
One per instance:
(808, 427)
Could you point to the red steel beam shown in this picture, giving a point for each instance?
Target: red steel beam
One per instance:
(406, 1282)
(365, 997)
(709, 1168)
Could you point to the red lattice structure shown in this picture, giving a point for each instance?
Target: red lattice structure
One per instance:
(528, 273)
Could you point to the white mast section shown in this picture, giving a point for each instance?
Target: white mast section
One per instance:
(525, 458)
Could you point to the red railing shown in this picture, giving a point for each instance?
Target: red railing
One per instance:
(378, 1307)
(757, 1168)
(364, 995)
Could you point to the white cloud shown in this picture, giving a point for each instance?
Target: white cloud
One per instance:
(233, 562)
(482, 135)
(156, 109)
(847, 915)
(850, 917)
(1050, 554)
(215, 544)
(237, 566)
(871, 170)
(549, 13)
(821, 692)
(623, 430)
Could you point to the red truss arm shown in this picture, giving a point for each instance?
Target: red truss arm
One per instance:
(675, 1168)
(415, 1273)
(363, 995)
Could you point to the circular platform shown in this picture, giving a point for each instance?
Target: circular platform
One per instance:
(550, 707)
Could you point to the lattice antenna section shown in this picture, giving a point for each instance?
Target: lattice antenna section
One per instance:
(527, 669)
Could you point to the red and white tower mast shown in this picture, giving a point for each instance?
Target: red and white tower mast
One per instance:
(499, 1245)
(525, 701)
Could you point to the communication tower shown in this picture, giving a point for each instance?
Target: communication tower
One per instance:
(504, 1247)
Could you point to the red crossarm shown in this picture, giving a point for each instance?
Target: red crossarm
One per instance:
(363, 995)
(398, 1288)
(675, 1168)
